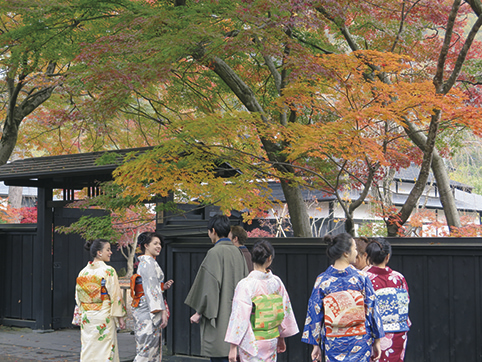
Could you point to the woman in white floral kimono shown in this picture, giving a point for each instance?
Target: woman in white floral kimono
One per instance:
(261, 315)
(149, 308)
(100, 303)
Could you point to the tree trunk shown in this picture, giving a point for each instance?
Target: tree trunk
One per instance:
(131, 253)
(15, 196)
(16, 113)
(130, 262)
(447, 198)
(296, 205)
(395, 222)
(297, 209)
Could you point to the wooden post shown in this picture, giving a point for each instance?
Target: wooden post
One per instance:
(42, 252)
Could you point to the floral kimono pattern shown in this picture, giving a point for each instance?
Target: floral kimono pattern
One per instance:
(147, 324)
(254, 348)
(99, 298)
(392, 292)
(353, 348)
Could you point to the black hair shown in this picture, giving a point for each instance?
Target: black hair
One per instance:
(337, 245)
(261, 251)
(361, 244)
(146, 237)
(93, 246)
(220, 224)
(238, 231)
(377, 250)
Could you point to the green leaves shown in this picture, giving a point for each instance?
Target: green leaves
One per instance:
(91, 228)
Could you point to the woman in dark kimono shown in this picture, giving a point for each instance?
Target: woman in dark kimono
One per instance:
(149, 309)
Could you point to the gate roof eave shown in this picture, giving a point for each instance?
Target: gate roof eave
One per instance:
(74, 171)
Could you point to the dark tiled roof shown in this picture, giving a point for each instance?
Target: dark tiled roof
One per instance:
(410, 174)
(66, 171)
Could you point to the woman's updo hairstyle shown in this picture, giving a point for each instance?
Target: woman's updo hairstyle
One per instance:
(337, 245)
(93, 246)
(378, 249)
(261, 251)
(361, 244)
(145, 239)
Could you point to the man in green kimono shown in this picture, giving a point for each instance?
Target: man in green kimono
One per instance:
(212, 292)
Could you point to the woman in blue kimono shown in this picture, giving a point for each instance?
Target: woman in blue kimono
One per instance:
(342, 319)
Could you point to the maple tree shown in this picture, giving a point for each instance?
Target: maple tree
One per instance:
(312, 94)
(451, 55)
(121, 228)
(263, 57)
(38, 42)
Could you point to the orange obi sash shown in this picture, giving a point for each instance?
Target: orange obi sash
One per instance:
(92, 292)
(137, 291)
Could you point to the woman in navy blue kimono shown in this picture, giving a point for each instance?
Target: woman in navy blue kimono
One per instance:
(342, 319)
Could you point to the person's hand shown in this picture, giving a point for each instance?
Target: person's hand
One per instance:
(122, 323)
(163, 319)
(316, 354)
(233, 353)
(168, 284)
(281, 345)
(195, 318)
(376, 351)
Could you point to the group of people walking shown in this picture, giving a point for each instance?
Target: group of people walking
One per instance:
(244, 313)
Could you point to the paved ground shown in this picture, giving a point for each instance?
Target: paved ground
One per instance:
(25, 345)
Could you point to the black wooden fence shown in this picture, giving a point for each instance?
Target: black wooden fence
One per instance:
(444, 277)
(17, 277)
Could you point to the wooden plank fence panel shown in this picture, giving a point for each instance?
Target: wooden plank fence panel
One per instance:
(180, 315)
(439, 311)
(27, 275)
(197, 256)
(464, 302)
(16, 289)
(10, 270)
(416, 291)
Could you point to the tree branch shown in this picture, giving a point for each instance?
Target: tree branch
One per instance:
(438, 79)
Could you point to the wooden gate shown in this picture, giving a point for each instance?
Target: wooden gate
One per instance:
(17, 274)
(69, 257)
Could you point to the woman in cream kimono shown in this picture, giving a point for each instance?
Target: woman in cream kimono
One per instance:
(253, 327)
(99, 299)
(150, 313)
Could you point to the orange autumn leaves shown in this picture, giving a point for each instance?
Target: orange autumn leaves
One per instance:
(358, 110)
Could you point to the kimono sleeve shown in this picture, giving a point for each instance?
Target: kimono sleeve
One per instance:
(288, 326)
(203, 296)
(151, 283)
(314, 315)
(372, 314)
(115, 294)
(239, 330)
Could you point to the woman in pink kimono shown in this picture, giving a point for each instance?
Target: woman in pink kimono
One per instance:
(253, 327)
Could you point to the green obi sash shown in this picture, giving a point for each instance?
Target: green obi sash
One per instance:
(266, 315)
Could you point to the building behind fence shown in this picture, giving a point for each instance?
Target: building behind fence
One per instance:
(443, 274)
